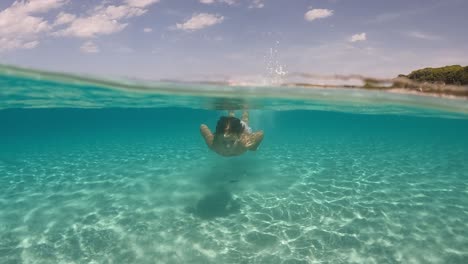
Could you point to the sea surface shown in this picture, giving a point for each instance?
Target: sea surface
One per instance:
(114, 171)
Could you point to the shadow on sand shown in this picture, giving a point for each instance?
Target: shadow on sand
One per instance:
(222, 178)
(217, 204)
(228, 173)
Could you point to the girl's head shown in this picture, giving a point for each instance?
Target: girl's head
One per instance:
(229, 125)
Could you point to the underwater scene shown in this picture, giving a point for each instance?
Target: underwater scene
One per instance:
(233, 132)
(108, 171)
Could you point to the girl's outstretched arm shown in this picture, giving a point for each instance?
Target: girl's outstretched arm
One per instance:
(207, 135)
(245, 117)
(253, 140)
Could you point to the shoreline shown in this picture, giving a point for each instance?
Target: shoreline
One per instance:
(429, 94)
(423, 89)
(394, 86)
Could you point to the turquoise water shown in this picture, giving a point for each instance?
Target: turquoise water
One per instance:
(91, 174)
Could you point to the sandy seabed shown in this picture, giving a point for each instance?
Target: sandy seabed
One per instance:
(300, 203)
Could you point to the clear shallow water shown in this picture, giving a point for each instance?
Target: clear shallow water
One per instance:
(138, 185)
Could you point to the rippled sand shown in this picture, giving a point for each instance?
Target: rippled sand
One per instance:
(332, 201)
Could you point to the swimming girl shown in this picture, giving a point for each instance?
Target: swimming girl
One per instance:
(233, 137)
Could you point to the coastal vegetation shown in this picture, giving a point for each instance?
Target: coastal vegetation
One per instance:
(447, 80)
(451, 75)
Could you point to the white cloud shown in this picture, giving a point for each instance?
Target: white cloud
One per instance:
(420, 35)
(35, 6)
(147, 30)
(257, 4)
(31, 44)
(209, 2)
(64, 18)
(7, 44)
(20, 24)
(200, 21)
(92, 26)
(229, 2)
(358, 37)
(314, 14)
(105, 20)
(141, 3)
(252, 3)
(89, 47)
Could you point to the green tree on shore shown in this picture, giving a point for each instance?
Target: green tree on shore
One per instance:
(454, 75)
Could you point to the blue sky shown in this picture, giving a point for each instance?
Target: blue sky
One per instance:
(210, 38)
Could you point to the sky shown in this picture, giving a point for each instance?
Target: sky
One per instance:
(203, 39)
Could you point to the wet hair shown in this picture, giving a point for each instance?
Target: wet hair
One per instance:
(229, 124)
